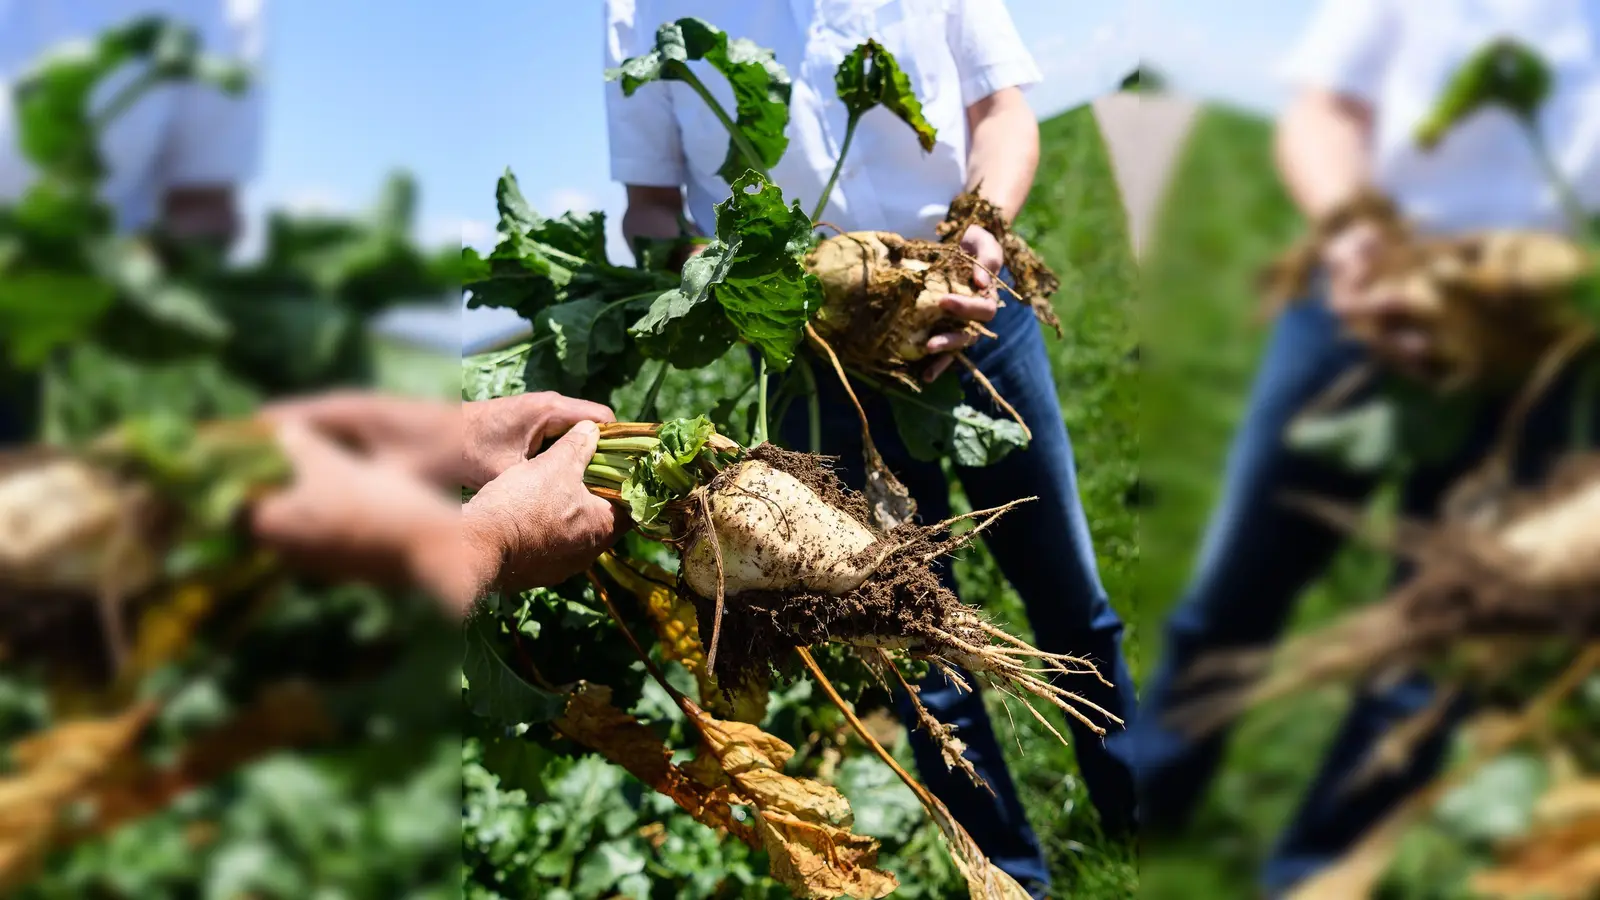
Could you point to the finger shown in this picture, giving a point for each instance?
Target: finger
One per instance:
(937, 368)
(565, 412)
(338, 412)
(950, 342)
(575, 448)
(976, 309)
(306, 448)
(981, 279)
(985, 249)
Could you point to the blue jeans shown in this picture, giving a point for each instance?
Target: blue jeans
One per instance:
(1257, 558)
(18, 408)
(1043, 548)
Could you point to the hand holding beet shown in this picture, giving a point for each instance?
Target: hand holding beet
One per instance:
(988, 260)
(344, 516)
(536, 524)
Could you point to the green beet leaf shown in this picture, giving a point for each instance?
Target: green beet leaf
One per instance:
(666, 474)
(554, 272)
(1505, 73)
(43, 310)
(751, 283)
(938, 423)
(761, 87)
(1365, 439)
(497, 692)
(868, 77)
(685, 326)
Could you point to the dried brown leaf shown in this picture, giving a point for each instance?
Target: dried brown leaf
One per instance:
(804, 824)
(592, 721)
(1555, 863)
(288, 714)
(54, 770)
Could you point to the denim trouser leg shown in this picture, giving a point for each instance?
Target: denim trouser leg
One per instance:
(1075, 603)
(1257, 557)
(1045, 551)
(18, 407)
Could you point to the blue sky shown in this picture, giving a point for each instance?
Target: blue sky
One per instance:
(458, 92)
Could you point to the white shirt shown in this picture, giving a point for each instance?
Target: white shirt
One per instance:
(1397, 55)
(176, 136)
(955, 52)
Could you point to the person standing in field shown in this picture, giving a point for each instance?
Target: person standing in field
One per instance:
(177, 158)
(1368, 72)
(968, 66)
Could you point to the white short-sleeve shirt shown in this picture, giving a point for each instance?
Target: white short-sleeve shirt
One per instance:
(955, 52)
(177, 136)
(1397, 56)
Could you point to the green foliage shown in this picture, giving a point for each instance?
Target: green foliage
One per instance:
(937, 423)
(761, 88)
(869, 76)
(1402, 426)
(554, 273)
(753, 277)
(1505, 73)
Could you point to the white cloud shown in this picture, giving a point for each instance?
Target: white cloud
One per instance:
(570, 199)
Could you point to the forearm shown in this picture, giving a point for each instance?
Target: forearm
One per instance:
(453, 563)
(1324, 151)
(1003, 150)
(653, 212)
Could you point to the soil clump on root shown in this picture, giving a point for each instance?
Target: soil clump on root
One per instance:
(895, 608)
(1033, 280)
(882, 295)
(1468, 584)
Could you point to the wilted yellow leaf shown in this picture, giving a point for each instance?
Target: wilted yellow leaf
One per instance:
(1569, 801)
(804, 824)
(592, 721)
(1556, 863)
(676, 627)
(55, 769)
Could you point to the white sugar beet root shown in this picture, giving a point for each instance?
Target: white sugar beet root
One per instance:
(774, 534)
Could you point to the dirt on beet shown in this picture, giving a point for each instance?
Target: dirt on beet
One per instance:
(1466, 586)
(1031, 278)
(865, 326)
(902, 603)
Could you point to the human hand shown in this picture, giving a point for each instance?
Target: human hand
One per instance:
(1385, 312)
(505, 431)
(442, 443)
(421, 437)
(989, 256)
(347, 517)
(537, 524)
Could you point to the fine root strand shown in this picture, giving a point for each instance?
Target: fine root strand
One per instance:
(716, 554)
(994, 394)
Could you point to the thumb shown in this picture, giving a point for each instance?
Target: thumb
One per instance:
(575, 448)
(305, 448)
